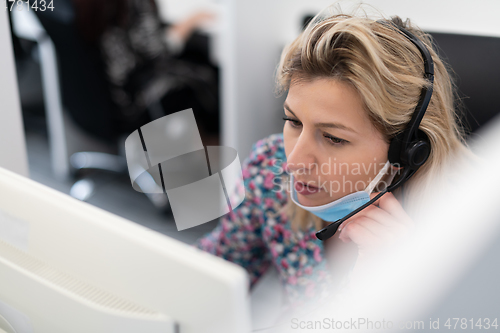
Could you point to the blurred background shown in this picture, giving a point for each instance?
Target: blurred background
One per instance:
(88, 73)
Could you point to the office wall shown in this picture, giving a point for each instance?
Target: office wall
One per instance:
(12, 143)
(255, 32)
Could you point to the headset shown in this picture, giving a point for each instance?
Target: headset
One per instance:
(410, 148)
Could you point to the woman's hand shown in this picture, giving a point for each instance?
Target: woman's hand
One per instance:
(377, 227)
(185, 28)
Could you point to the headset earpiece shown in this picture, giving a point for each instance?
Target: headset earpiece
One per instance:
(417, 153)
(413, 154)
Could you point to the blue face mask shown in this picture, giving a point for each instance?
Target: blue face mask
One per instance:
(339, 208)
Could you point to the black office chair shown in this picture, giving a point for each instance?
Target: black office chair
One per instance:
(84, 88)
(86, 99)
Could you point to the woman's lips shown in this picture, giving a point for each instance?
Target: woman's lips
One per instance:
(304, 189)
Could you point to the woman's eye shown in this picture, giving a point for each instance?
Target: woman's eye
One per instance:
(335, 141)
(331, 139)
(293, 122)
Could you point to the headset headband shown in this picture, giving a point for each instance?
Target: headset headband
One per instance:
(402, 143)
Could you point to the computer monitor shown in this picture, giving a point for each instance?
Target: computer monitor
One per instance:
(66, 266)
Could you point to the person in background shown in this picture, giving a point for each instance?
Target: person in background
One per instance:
(353, 84)
(147, 63)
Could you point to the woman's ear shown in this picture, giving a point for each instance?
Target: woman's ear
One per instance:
(394, 171)
(396, 167)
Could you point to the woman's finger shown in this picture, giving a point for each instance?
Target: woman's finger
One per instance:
(377, 214)
(390, 204)
(359, 234)
(379, 230)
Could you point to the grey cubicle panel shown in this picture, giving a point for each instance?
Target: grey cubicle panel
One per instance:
(475, 63)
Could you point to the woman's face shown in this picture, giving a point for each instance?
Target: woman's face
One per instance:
(330, 143)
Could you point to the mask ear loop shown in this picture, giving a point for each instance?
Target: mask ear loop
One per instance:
(369, 189)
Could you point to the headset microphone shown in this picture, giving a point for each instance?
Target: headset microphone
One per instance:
(410, 148)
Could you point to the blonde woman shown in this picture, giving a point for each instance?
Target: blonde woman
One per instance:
(353, 84)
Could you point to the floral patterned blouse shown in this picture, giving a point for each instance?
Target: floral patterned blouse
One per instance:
(257, 234)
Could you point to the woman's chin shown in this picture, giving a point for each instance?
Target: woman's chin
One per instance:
(312, 200)
(318, 199)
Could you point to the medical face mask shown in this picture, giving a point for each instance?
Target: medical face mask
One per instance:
(339, 208)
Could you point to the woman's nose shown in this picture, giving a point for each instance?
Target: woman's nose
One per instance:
(302, 155)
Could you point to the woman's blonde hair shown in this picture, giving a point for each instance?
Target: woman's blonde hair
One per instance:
(387, 70)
